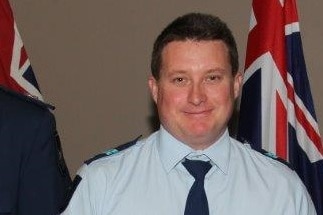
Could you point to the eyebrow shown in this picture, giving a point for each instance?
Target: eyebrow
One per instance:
(175, 72)
(218, 70)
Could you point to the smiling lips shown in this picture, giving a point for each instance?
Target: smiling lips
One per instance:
(198, 112)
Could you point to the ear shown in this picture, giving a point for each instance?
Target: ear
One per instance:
(153, 86)
(237, 84)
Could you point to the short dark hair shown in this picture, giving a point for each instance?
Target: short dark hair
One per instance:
(194, 26)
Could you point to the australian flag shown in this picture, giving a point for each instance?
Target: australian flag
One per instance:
(276, 111)
(15, 70)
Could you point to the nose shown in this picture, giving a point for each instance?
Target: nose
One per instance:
(197, 94)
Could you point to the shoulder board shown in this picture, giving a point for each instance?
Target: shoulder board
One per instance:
(113, 151)
(275, 157)
(26, 97)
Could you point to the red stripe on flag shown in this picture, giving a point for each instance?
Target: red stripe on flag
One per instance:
(6, 46)
(281, 128)
(290, 12)
(301, 118)
(23, 57)
(268, 34)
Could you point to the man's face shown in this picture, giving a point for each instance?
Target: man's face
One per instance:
(196, 91)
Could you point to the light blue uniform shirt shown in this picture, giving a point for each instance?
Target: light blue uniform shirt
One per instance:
(148, 178)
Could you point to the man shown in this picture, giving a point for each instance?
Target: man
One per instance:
(190, 165)
(33, 175)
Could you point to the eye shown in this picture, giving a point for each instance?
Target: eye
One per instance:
(213, 78)
(179, 80)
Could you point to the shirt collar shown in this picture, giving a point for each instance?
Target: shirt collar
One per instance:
(172, 151)
(219, 152)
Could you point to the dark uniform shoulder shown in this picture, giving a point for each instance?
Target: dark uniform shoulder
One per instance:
(113, 150)
(24, 98)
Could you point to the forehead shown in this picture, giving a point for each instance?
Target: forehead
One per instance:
(191, 54)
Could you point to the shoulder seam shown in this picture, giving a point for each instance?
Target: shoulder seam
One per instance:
(26, 98)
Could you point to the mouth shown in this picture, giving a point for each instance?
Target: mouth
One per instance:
(198, 112)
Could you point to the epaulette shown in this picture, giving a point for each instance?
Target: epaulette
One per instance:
(275, 157)
(267, 154)
(113, 151)
(27, 97)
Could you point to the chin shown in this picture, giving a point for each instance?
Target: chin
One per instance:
(200, 128)
(199, 133)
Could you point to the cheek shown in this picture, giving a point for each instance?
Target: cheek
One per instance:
(171, 97)
(222, 95)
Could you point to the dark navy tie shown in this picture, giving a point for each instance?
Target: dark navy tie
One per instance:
(196, 203)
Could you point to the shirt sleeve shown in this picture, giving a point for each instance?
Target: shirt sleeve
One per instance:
(80, 202)
(304, 204)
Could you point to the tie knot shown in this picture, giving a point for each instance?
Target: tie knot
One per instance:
(197, 168)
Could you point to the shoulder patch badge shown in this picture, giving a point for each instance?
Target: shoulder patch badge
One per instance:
(275, 157)
(113, 151)
(269, 154)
